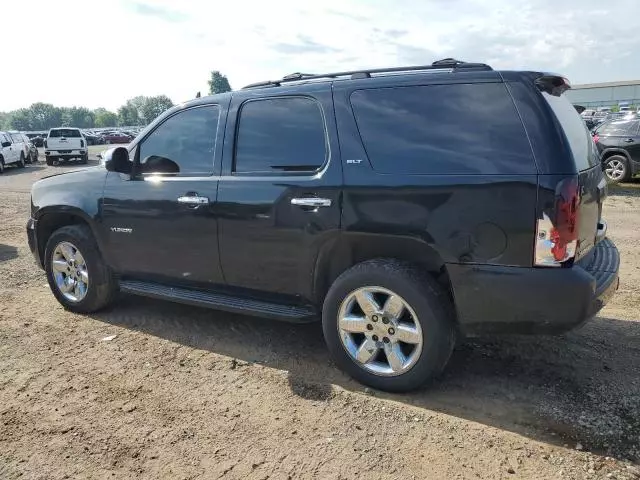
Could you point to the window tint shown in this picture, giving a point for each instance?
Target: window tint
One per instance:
(280, 135)
(183, 144)
(575, 130)
(65, 132)
(4, 138)
(442, 129)
(619, 128)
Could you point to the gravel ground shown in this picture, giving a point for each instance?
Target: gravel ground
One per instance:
(152, 390)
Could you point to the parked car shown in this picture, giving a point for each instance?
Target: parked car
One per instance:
(365, 198)
(93, 138)
(34, 154)
(618, 143)
(37, 139)
(21, 142)
(11, 153)
(116, 137)
(65, 144)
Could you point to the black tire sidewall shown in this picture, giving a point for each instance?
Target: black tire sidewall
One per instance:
(425, 298)
(80, 236)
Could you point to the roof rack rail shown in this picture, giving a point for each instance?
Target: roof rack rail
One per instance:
(446, 63)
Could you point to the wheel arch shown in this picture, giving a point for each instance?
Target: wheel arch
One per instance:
(353, 248)
(609, 152)
(50, 219)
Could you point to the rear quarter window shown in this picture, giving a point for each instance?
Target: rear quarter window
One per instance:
(442, 129)
(576, 131)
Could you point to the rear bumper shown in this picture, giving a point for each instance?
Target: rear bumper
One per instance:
(495, 299)
(65, 153)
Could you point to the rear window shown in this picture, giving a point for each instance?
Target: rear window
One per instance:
(442, 129)
(65, 132)
(575, 130)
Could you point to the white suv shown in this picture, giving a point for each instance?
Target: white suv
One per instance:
(11, 151)
(65, 144)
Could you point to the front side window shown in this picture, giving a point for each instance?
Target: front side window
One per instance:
(184, 144)
(279, 135)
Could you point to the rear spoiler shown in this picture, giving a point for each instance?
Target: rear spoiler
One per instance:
(553, 84)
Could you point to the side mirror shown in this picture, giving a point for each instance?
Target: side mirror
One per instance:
(6, 144)
(117, 160)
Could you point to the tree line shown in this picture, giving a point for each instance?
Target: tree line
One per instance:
(140, 110)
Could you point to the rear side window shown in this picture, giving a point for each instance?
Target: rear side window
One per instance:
(65, 132)
(575, 130)
(17, 138)
(442, 129)
(280, 135)
(620, 128)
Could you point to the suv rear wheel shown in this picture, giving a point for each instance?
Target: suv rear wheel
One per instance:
(389, 325)
(77, 275)
(616, 168)
(21, 162)
(1, 165)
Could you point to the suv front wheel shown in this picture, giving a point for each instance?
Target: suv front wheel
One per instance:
(76, 273)
(389, 325)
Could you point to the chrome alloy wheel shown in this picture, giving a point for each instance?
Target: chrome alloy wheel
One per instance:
(380, 331)
(70, 271)
(615, 169)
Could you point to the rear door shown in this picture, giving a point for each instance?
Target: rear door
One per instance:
(280, 191)
(591, 181)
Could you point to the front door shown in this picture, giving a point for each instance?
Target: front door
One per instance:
(160, 224)
(280, 191)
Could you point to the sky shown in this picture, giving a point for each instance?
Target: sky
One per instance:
(99, 54)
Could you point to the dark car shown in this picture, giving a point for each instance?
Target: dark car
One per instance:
(403, 207)
(93, 138)
(33, 152)
(619, 145)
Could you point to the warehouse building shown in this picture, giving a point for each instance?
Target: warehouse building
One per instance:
(593, 95)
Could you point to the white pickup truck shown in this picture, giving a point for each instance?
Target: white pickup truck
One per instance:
(65, 144)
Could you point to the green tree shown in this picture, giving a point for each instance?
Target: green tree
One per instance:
(615, 109)
(128, 115)
(80, 117)
(153, 106)
(104, 118)
(218, 83)
(20, 119)
(43, 116)
(4, 120)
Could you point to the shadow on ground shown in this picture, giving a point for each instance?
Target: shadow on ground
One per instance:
(580, 387)
(7, 252)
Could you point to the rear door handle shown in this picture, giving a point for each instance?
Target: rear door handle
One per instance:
(313, 202)
(193, 199)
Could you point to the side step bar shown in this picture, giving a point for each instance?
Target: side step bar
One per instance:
(220, 301)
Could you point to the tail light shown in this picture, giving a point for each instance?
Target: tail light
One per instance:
(557, 233)
(596, 137)
(81, 143)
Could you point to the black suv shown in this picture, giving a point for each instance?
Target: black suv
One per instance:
(402, 206)
(619, 145)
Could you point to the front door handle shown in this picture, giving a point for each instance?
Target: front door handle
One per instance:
(193, 200)
(629, 140)
(313, 202)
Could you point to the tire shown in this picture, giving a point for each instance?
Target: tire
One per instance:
(29, 158)
(21, 162)
(84, 159)
(433, 330)
(616, 169)
(1, 165)
(101, 286)
(50, 161)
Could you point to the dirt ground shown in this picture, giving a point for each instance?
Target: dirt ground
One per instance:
(152, 390)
